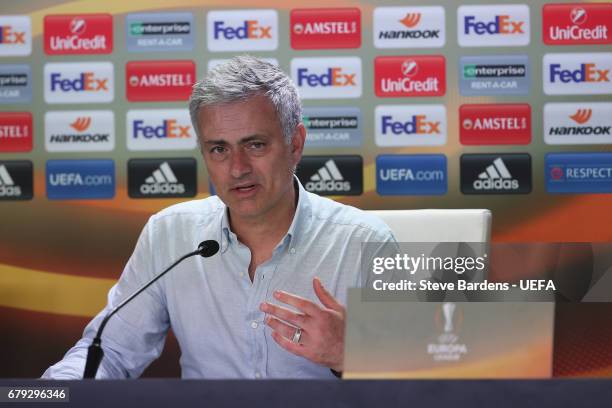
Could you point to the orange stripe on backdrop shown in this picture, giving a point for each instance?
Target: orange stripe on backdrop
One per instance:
(40, 291)
(579, 220)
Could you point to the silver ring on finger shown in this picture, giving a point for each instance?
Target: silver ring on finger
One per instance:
(297, 336)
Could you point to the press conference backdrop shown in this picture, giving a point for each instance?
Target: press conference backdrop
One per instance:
(492, 105)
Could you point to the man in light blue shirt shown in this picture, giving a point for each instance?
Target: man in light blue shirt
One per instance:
(269, 304)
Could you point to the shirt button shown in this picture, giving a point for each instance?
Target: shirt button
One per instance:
(292, 251)
(257, 375)
(254, 325)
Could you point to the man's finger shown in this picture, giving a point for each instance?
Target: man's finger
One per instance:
(305, 305)
(284, 329)
(288, 345)
(325, 297)
(296, 319)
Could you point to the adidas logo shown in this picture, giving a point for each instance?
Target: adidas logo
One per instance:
(162, 181)
(328, 179)
(7, 185)
(496, 177)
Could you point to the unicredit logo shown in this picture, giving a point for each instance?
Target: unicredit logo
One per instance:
(159, 80)
(78, 34)
(565, 24)
(410, 76)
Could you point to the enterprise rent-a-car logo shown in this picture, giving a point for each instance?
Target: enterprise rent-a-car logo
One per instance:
(15, 83)
(146, 32)
(494, 75)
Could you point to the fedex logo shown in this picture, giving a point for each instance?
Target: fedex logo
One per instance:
(325, 78)
(70, 83)
(332, 77)
(15, 35)
(87, 81)
(499, 25)
(416, 124)
(8, 35)
(410, 125)
(482, 26)
(579, 73)
(167, 128)
(250, 29)
(586, 73)
(160, 129)
(231, 31)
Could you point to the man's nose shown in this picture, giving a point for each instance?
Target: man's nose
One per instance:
(240, 164)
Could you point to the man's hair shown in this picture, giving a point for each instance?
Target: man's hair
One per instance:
(244, 77)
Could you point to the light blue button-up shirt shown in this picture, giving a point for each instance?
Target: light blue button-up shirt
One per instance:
(211, 303)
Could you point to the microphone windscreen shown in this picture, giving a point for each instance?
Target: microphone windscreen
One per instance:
(208, 248)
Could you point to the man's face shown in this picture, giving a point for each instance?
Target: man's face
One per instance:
(247, 157)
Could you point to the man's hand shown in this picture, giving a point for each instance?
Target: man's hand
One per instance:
(322, 340)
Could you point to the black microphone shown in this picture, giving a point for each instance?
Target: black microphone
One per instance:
(94, 352)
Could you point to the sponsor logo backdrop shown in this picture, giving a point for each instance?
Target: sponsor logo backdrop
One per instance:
(428, 105)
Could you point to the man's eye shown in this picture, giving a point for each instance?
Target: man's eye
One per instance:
(217, 149)
(257, 145)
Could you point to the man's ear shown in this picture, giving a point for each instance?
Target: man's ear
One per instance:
(297, 143)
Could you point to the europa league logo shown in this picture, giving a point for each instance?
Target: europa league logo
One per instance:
(448, 310)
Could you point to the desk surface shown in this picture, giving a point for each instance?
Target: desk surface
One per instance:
(152, 393)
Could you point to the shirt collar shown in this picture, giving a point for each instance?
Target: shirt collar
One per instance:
(298, 224)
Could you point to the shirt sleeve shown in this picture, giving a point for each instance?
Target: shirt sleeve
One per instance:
(134, 336)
